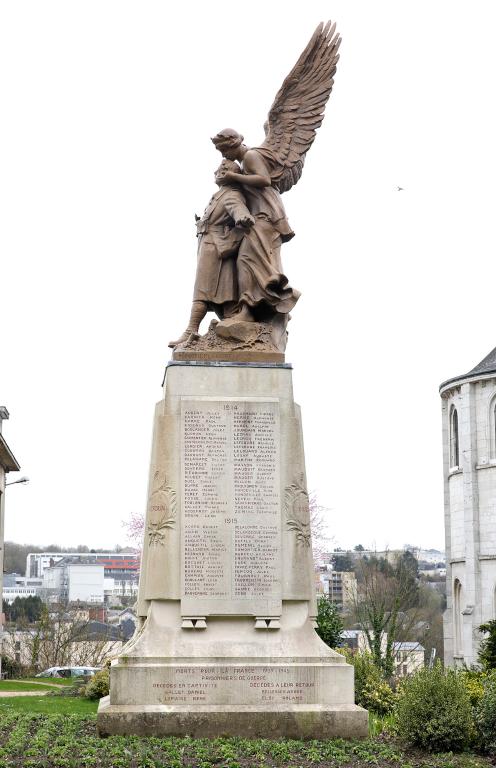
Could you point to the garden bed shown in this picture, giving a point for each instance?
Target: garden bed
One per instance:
(33, 740)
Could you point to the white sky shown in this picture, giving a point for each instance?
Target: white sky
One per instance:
(106, 109)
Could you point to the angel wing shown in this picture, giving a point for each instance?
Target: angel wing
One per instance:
(298, 109)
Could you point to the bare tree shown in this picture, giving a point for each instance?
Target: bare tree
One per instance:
(135, 528)
(61, 638)
(386, 604)
(319, 527)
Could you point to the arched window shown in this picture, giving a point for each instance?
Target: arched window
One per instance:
(493, 429)
(457, 616)
(454, 445)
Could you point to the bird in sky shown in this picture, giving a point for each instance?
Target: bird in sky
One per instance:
(400, 189)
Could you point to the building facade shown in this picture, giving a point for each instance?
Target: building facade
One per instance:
(408, 658)
(469, 462)
(117, 565)
(8, 464)
(340, 587)
(71, 582)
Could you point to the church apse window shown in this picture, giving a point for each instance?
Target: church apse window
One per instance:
(454, 442)
(457, 615)
(492, 428)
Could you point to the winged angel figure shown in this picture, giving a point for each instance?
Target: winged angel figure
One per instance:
(263, 291)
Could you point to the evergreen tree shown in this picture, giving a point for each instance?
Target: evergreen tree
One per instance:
(329, 623)
(487, 649)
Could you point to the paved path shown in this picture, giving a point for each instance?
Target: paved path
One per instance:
(43, 682)
(27, 691)
(6, 694)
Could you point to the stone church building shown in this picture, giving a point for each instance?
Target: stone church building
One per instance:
(469, 459)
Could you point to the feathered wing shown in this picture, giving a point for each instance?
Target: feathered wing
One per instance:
(298, 109)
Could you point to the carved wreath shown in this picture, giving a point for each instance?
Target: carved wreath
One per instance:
(296, 500)
(156, 530)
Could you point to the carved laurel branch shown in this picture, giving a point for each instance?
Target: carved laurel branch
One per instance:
(156, 531)
(293, 521)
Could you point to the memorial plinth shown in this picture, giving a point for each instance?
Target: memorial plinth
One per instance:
(227, 595)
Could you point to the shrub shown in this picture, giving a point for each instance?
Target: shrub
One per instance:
(378, 698)
(474, 681)
(98, 686)
(487, 647)
(11, 668)
(329, 622)
(372, 691)
(433, 711)
(485, 716)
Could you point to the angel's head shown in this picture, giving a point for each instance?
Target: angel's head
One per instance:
(228, 141)
(224, 167)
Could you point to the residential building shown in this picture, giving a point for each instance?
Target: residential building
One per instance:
(469, 460)
(8, 463)
(408, 658)
(356, 640)
(68, 643)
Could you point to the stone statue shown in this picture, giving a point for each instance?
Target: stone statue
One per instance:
(220, 231)
(254, 309)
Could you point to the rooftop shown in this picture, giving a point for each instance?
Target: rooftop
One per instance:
(7, 459)
(408, 647)
(486, 367)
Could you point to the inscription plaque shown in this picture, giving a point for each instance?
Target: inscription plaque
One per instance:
(252, 684)
(231, 516)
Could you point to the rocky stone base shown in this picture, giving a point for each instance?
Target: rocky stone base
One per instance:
(237, 341)
(308, 721)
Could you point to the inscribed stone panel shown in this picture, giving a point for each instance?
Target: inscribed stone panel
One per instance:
(231, 518)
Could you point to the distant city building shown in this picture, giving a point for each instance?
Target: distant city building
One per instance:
(9, 594)
(353, 554)
(70, 582)
(116, 589)
(469, 459)
(340, 587)
(114, 576)
(72, 579)
(434, 573)
(119, 565)
(15, 585)
(430, 556)
(11, 579)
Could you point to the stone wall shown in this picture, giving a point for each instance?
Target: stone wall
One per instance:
(470, 515)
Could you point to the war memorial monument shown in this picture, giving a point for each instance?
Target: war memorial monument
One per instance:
(227, 644)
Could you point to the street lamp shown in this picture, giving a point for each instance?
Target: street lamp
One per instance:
(21, 480)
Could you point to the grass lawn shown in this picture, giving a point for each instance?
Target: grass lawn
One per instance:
(31, 740)
(52, 680)
(24, 685)
(47, 705)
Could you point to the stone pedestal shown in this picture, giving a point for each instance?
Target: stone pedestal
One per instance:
(227, 595)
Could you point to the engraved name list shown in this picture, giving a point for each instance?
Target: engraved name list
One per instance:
(230, 507)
